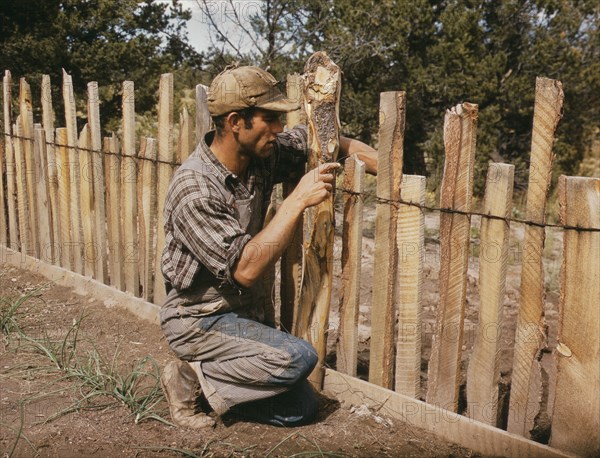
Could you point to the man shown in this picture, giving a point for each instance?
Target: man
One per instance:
(217, 251)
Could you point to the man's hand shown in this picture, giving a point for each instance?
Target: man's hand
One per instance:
(316, 185)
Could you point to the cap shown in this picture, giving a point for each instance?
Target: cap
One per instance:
(236, 88)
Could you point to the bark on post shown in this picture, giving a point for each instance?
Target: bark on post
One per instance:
(389, 179)
(411, 249)
(322, 85)
(483, 374)
(456, 194)
(576, 416)
(347, 342)
(526, 385)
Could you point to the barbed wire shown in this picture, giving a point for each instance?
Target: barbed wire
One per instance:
(393, 202)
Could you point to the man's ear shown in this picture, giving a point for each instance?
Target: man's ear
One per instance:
(233, 120)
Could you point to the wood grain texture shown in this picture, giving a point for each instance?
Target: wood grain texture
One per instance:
(64, 199)
(86, 197)
(147, 215)
(48, 119)
(322, 83)
(530, 339)
(203, 119)
(392, 114)
(42, 192)
(75, 173)
(25, 238)
(185, 145)
(3, 219)
(411, 249)
(98, 186)
(483, 374)
(9, 163)
(164, 175)
(347, 342)
(112, 171)
(576, 416)
(456, 193)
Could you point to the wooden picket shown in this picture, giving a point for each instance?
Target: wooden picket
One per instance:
(95, 208)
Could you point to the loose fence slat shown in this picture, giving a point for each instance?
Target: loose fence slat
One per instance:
(456, 193)
(112, 171)
(411, 247)
(3, 221)
(526, 385)
(203, 119)
(75, 174)
(25, 237)
(98, 187)
(392, 108)
(291, 260)
(26, 142)
(322, 79)
(86, 201)
(129, 193)
(185, 146)
(347, 344)
(11, 204)
(576, 416)
(52, 175)
(164, 175)
(46, 235)
(147, 215)
(483, 373)
(64, 198)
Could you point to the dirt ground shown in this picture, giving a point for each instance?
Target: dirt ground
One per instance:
(110, 404)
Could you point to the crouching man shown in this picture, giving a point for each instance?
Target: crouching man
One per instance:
(230, 355)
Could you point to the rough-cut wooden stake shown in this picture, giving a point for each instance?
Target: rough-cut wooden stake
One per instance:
(26, 142)
(526, 387)
(576, 416)
(184, 145)
(3, 220)
(483, 374)
(392, 108)
(456, 193)
(64, 198)
(112, 171)
(291, 260)
(347, 343)
(13, 224)
(21, 181)
(48, 126)
(98, 188)
(164, 174)
(46, 235)
(203, 119)
(411, 248)
(86, 201)
(147, 215)
(322, 83)
(75, 172)
(131, 257)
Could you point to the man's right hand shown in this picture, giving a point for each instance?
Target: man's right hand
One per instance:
(316, 186)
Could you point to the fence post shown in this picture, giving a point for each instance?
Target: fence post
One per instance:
(530, 339)
(392, 116)
(13, 225)
(456, 193)
(147, 215)
(112, 171)
(3, 221)
(322, 85)
(411, 249)
(129, 193)
(164, 174)
(483, 374)
(86, 201)
(347, 342)
(98, 188)
(203, 120)
(576, 416)
(75, 172)
(46, 234)
(52, 174)
(21, 180)
(64, 199)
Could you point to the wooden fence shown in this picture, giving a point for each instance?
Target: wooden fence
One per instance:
(93, 205)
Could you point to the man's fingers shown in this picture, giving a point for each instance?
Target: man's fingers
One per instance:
(329, 166)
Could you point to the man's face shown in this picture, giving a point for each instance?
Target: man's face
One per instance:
(258, 140)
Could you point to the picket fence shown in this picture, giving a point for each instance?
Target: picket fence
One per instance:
(94, 205)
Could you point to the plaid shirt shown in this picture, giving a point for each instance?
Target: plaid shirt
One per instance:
(204, 238)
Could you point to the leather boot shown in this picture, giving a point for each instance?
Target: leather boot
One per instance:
(181, 387)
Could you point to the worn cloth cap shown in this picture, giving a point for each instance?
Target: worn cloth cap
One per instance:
(236, 88)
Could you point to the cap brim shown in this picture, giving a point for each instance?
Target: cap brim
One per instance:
(282, 104)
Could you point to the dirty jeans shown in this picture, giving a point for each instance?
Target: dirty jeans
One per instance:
(246, 367)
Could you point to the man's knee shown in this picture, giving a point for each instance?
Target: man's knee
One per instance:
(303, 359)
